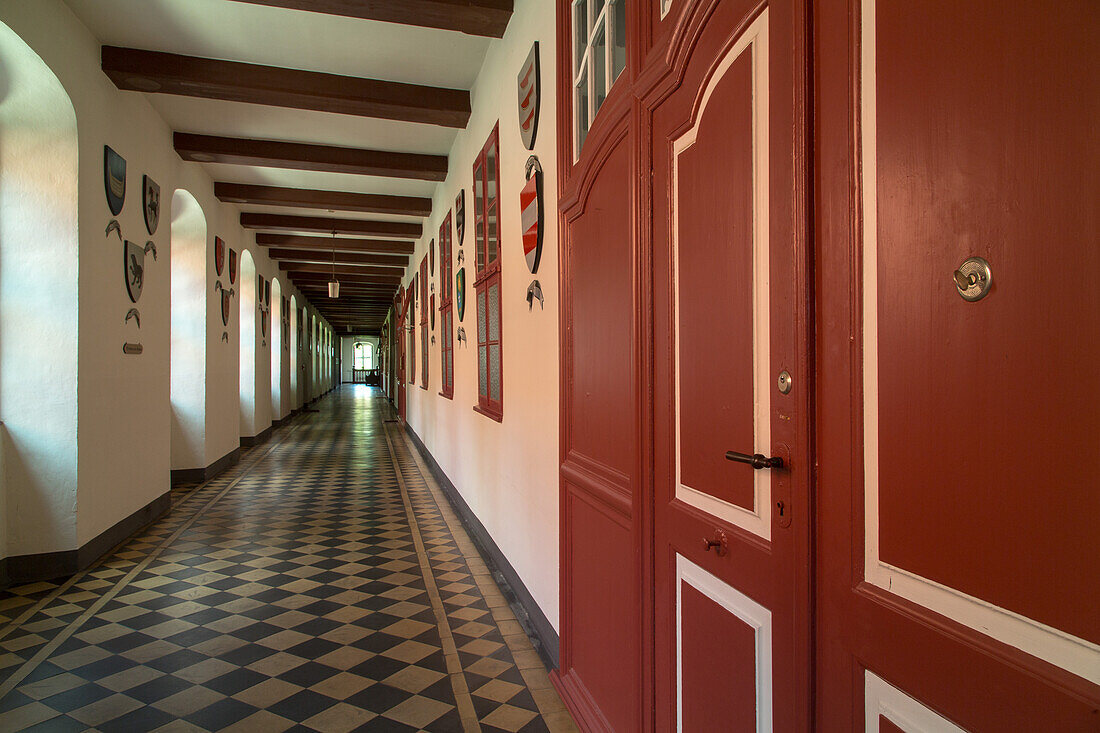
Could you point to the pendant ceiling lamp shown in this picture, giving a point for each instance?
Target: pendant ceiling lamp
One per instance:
(334, 284)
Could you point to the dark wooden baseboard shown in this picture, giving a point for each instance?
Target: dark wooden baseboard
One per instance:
(51, 565)
(528, 613)
(198, 475)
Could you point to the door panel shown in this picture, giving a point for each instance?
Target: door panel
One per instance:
(957, 544)
(731, 651)
(968, 166)
(723, 665)
(717, 243)
(602, 597)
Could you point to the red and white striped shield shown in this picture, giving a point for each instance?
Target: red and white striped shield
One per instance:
(530, 202)
(530, 88)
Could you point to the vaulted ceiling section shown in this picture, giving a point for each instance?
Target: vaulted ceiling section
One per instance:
(327, 122)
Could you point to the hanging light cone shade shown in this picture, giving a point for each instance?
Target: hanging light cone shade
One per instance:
(334, 284)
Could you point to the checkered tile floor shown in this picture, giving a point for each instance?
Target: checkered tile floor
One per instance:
(322, 584)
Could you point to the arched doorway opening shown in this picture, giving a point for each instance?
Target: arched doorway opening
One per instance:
(188, 318)
(38, 305)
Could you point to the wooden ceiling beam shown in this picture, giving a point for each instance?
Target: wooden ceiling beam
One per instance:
(357, 315)
(474, 17)
(340, 258)
(304, 198)
(348, 293)
(322, 269)
(326, 224)
(309, 157)
(157, 72)
(314, 278)
(348, 303)
(341, 244)
(352, 297)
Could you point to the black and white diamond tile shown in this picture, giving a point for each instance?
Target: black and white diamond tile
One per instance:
(288, 593)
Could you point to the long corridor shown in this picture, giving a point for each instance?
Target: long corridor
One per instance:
(323, 583)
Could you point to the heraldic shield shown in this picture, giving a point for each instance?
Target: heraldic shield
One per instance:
(530, 89)
(219, 255)
(151, 201)
(460, 215)
(227, 296)
(530, 200)
(133, 262)
(460, 292)
(232, 267)
(114, 179)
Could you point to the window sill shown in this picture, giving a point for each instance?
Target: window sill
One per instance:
(424, 387)
(491, 414)
(448, 396)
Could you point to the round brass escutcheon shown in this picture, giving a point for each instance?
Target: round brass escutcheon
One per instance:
(973, 279)
(785, 382)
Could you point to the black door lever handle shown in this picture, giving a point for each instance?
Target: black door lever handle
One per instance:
(756, 460)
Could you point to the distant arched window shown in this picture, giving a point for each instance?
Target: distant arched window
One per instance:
(363, 356)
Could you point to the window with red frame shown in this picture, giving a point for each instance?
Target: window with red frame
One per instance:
(446, 311)
(424, 323)
(490, 372)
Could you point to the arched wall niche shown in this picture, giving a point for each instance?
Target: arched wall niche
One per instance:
(295, 398)
(248, 314)
(188, 317)
(38, 305)
(275, 339)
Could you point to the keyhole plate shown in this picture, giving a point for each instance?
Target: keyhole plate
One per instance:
(973, 279)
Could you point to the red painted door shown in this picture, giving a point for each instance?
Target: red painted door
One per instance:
(730, 539)
(958, 440)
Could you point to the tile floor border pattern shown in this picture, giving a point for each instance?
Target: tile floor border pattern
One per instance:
(186, 520)
(518, 646)
(450, 651)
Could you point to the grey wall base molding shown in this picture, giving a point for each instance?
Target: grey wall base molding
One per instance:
(51, 565)
(528, 613)
(198, 475)
(260, 439)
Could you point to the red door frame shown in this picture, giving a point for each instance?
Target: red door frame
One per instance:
(401, 309)
(618, 496)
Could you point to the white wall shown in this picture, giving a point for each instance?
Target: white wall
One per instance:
(123, 412)
(507, 472)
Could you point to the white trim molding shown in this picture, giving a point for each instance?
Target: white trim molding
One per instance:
(883, 699)
(758, 520)
(744, 608)
(1069, 652)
